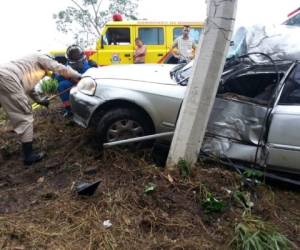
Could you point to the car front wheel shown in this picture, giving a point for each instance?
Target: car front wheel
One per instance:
(123, 123)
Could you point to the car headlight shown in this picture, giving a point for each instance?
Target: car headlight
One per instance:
(87, 85)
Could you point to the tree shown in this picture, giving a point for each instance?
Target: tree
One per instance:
(85, 18)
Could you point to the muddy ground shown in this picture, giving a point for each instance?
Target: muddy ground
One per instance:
(39, 210)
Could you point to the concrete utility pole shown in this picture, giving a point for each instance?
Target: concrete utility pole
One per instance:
(202, 87)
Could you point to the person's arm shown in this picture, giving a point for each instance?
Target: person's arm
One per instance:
(193, 50)
(175, 44)
(194, 46)
(92, 64)
(51, 65)
(175, 52)
(39, 99)
(141, 53)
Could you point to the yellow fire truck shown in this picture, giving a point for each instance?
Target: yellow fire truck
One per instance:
(117, 41)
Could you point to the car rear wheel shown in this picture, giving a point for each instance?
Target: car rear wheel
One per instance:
(123, 123)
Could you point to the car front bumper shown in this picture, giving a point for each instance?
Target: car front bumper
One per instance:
(83, 106)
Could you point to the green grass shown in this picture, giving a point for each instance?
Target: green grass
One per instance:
(212, 205)
(49, 86)
(184, 168)
(254, 234)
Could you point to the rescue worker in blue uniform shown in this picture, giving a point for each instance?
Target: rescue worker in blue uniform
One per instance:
(76, 59)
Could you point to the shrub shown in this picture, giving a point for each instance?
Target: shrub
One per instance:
(49, 86)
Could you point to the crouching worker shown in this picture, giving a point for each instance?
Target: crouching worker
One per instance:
(17, 81)
(75, 59)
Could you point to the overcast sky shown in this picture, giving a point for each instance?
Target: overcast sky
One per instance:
(27, 25)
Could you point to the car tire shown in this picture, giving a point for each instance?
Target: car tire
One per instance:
(123, 123)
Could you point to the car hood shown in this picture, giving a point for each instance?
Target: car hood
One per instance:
(155, 73)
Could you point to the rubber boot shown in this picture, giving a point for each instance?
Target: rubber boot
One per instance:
(67, 112)
(30, 157)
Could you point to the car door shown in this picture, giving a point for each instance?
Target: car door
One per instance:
(154, 39)
(237, 121)
(283, 140)
(117, 46)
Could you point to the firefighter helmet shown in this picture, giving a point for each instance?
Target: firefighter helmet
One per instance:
(75, 54)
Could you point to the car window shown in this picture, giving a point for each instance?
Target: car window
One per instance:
(194, 33)
(152, 36)
(117, 36)
(291, 90)
(293, 21)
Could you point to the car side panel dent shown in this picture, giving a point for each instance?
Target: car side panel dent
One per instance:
(234, 130)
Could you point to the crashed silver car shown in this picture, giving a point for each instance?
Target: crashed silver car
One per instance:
(255, 118)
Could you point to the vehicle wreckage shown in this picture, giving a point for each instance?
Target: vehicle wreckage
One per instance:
(255, 117)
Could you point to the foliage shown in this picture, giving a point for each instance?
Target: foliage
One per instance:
(85, 18)
(49, 86)
(243, 199)
(184, 168)
(3, 115)
(254, 234)
(252, 173)
(211, 204)
(208, 201)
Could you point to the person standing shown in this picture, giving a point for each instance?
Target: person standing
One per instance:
(17, 81)
(140, 51)
(185, 46)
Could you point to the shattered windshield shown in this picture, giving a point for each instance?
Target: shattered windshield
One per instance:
(238, 45)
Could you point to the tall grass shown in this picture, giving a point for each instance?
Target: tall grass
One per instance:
(254, 234)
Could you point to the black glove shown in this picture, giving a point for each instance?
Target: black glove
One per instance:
(44, 101)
